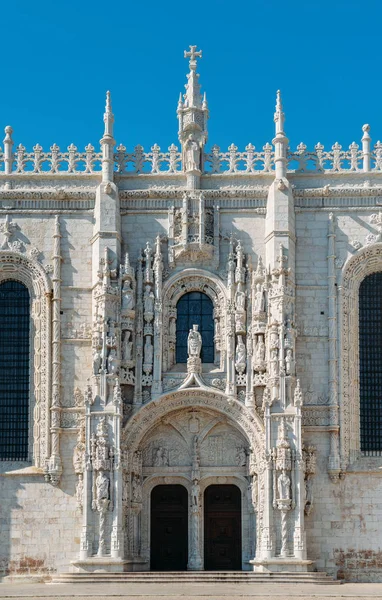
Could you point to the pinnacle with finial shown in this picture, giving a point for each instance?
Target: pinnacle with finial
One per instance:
(192, 54)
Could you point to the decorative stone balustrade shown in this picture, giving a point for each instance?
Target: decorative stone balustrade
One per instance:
(139, 162)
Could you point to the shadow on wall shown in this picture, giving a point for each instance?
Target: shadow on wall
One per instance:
(38, 525)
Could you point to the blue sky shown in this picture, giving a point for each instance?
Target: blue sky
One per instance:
(59, 58)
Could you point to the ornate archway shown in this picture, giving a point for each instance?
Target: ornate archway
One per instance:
(195, 438)
(367, 261)
(19, 267)
(192, 280)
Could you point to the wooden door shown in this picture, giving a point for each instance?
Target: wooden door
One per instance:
(222, 528)
(169, 528)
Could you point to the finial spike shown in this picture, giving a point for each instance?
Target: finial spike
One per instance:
(108, 102)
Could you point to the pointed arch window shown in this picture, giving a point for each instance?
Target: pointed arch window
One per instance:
(195, 308)
(370, 363)
(14, 370)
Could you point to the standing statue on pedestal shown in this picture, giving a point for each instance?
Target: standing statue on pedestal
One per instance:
(194, 342)
(259, 298)
(283, 486)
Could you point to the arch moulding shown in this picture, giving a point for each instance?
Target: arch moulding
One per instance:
(367, 261)
(19, 267)
(140, 424)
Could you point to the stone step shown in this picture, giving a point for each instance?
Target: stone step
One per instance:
(204, 577)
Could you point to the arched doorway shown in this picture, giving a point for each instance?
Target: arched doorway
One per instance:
(222, 528)
(169, 528)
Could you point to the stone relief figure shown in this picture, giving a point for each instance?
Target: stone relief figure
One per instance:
(148, 351)
(283, 486)
(161, 457)
(128, 302)
(112, 362)
(240, 321)
(289, 362)
(255, 492)
(240, 361)
(102, 486)
(259, 298)
(194, 342)
(192, 154)
(148, 301)
(260, 350)
(97, 360)
(127, 346)
(241, 457)
(80, 491)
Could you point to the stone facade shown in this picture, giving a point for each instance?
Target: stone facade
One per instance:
(107, 243)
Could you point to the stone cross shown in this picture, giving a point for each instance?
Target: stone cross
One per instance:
(193, 54)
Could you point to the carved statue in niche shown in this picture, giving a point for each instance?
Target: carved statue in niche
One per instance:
(127, 346)
(283, 486)
(97, 360)
(194, 342)
(192, 158)
(274, 362)
(136, 489)
(240, 300)
(148, 301)
(259, 298)
(240, 361)
(240, 321)
(128, 302)
(289, 362)
(102, 486)
(80, 491)
(112, 362)
(260, 350)
(241, 457)
(148, 351)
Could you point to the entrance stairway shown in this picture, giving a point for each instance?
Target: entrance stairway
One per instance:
(204, 577)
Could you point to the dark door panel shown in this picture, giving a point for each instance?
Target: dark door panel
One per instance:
(222, 528)
(169, 528)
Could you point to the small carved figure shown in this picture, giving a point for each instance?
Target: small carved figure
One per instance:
(289, 362)
(127, 347)
(260, 350)
(80, 491)
(172, 328)
(194, 342)
(241, 457)
(240, 361)
(102, 486)
(148, 351)
(192, 154)
(195, 493)
(254, 491)
(97, 359)
(239, 321)
(112, 362)
(128, 302)
(259, 298)
(283, 486)
(148, 300)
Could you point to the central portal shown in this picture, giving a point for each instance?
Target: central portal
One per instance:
(222, 528)
(169, 528)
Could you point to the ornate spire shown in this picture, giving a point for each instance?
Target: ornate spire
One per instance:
(193, 115)
(280, 141)
(107, 142)
(108, 117)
